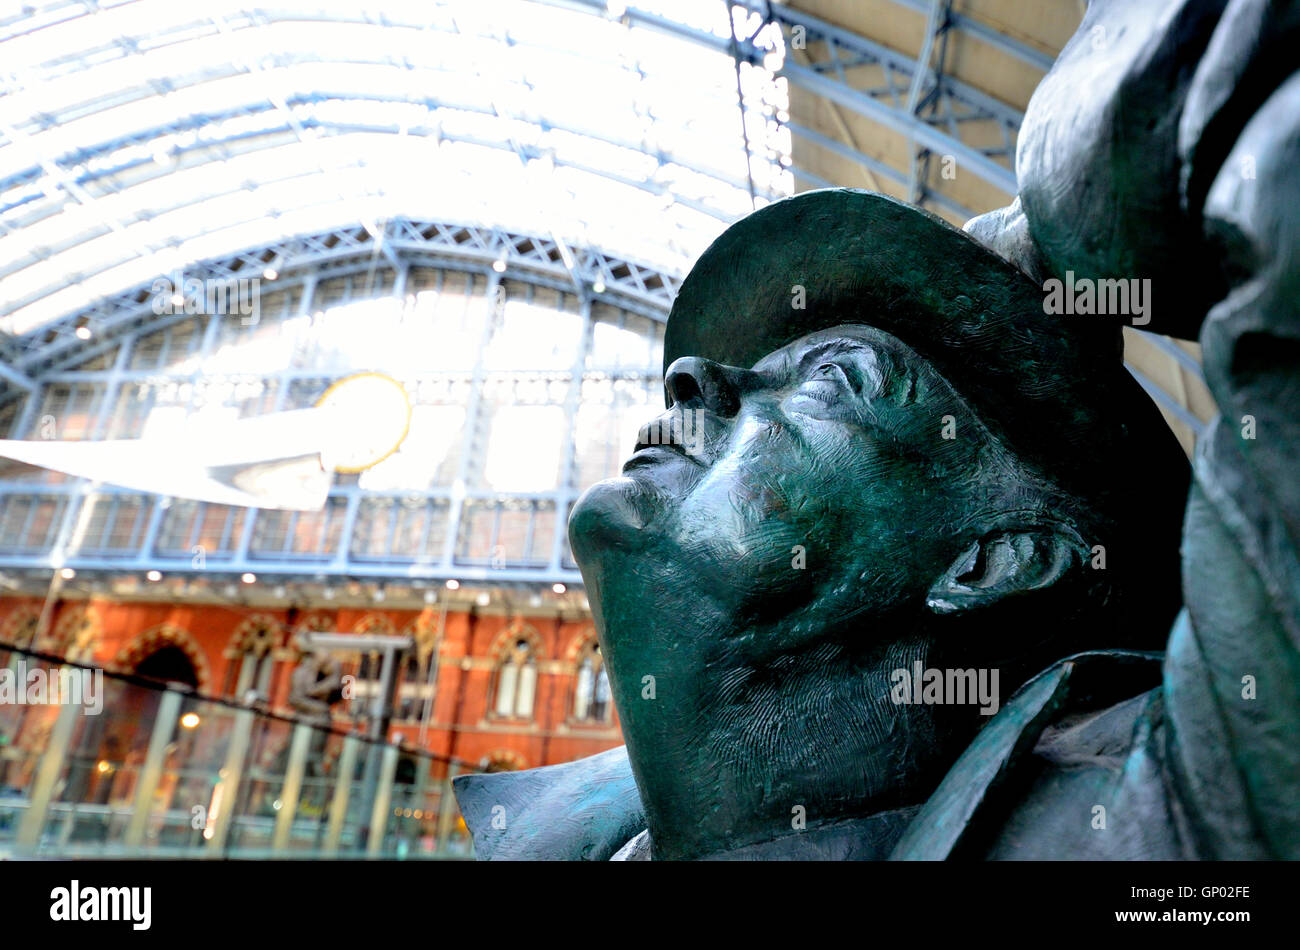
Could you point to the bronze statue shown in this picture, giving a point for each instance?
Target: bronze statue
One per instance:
(316, 685)
(914, 491)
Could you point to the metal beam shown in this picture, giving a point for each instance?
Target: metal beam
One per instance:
(867, 161)
(910, 126)
(1168, 402)
(966, 24)
(460, 246)
(990, 35)
(887, 106)
(971, 104)
(21, 380)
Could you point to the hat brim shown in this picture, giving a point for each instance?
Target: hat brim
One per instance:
(833, 256)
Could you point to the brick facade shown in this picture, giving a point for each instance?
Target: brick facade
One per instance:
(119, 635)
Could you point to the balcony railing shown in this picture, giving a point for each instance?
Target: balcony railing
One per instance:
(96, 764)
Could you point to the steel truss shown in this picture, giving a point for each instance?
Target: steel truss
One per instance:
(262, 541)
(916, 98)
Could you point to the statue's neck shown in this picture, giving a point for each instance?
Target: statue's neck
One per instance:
(737, 753)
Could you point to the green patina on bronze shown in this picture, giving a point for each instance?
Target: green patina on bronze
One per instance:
(898, 461)
(974, 551)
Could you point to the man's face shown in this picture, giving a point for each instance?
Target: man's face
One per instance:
(754, 588)
(828, 475)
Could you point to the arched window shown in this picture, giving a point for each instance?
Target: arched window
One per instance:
(591, 699)
(414, 691)
(419, 671)
(19, 628)
(516, 682)
(503, 760)
(76, 634)
(368, 672)
(168, 664)
(371, 666)
(136, 656)
(252, 657)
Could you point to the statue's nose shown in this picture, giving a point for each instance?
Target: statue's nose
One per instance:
(699, 383)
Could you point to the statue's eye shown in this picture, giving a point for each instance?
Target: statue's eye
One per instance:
(829, 384)
(835, 371)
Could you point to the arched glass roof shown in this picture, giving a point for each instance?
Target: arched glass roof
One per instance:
(523, 393)
(144, 135)
(577, 153)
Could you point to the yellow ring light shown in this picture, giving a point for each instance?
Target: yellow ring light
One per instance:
(382, 400)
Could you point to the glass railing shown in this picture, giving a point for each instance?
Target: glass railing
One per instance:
(96, 764)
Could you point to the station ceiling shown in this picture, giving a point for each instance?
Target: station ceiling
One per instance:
(139, 138)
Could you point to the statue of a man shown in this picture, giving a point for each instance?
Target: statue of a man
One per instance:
(316, 685)
(908, 490)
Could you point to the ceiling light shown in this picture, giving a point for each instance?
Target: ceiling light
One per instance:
(83, 333)
(67, 573)
(154, 575)
(453, 584)
(249, 578)
(559, 588)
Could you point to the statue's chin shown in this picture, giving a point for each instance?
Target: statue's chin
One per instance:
(616, 510)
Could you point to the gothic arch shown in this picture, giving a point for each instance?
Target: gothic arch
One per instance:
(153, 640)
(19, 625)
(258, 634)
(503, 760)
(376, 623)
(504, 641)
(423, 630)
(75, 635)
(579, 643)
(314, 622)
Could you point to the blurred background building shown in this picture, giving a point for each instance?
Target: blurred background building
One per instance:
(215, 212)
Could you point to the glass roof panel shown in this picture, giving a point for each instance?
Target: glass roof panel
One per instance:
(139, 137)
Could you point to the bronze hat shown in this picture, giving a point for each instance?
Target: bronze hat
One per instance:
(1053, 387)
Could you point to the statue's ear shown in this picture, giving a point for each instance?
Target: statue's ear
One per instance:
(1004, 563)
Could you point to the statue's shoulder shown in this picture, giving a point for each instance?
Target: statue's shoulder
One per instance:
(1082, 712)
(578, 811)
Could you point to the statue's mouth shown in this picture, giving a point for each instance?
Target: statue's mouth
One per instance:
(677, 434)
(651, 454)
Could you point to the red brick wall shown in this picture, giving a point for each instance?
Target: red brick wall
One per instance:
(461, 724)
